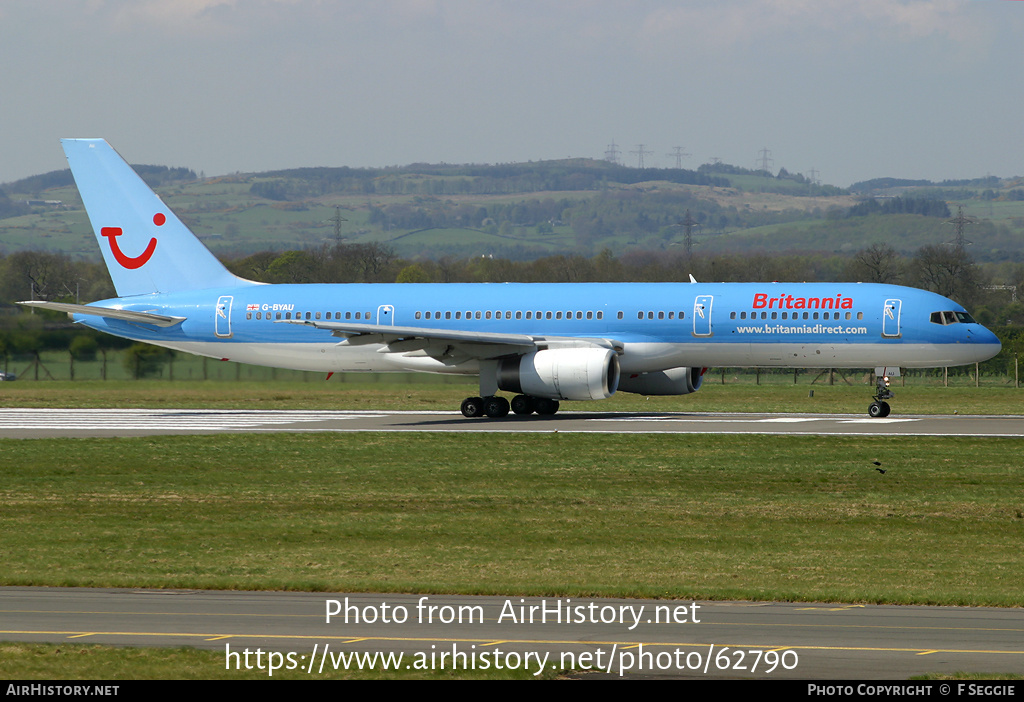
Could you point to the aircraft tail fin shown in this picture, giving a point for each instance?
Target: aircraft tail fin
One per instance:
(146, 247)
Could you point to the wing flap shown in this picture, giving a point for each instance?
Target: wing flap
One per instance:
(473, 344)
(384, 333)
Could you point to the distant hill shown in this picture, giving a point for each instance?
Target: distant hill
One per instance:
(528, 210)
(154, 176)
(877, 185)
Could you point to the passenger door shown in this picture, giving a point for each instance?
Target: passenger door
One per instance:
(702, 315)
(891, 319)
(222, 317)
(386, 315)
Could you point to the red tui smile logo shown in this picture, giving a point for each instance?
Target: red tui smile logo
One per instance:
(126, 261)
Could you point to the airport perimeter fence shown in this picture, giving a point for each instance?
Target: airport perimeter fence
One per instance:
(60, 365)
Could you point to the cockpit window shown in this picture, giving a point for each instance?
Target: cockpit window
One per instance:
(950, 317)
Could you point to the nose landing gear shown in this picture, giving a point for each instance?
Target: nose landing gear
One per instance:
(880, 408)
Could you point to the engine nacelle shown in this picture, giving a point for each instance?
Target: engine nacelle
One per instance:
(562, 374)
(674, 381)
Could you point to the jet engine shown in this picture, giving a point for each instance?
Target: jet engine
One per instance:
(674, 381)
(562, 374)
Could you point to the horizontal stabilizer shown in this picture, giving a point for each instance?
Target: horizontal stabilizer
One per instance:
(159, 320)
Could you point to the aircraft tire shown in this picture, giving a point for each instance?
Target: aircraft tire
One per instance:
(544, 406)
(473, 407)
(522, 404)
(879, 409)
(496, 407)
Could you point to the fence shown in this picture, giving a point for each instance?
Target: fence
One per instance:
(59, 365)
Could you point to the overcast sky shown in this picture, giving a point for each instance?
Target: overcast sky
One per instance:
(855, 89)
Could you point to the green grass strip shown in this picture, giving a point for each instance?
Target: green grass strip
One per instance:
(22, 661)
(687, 516)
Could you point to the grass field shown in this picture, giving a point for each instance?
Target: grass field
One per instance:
(705, 517)
(254, 389)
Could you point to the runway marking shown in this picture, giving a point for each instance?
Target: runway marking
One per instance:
(179, 419)
(771, 420)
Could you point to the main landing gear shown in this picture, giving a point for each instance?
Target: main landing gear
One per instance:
(880, 408)
(496, 407)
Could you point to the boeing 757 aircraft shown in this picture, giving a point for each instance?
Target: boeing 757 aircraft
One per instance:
(542, 342)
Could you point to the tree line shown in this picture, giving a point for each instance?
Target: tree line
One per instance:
(947, 270)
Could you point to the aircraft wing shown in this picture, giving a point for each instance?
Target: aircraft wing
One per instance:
(473, 343)
(160, 320)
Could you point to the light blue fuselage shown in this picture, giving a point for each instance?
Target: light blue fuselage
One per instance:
(660, 325)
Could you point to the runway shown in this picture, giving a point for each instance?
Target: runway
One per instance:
(612, 637)
(40, 423)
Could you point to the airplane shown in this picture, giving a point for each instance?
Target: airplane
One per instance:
(543, 342)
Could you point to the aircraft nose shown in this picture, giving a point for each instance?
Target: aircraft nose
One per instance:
(988, 343)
